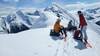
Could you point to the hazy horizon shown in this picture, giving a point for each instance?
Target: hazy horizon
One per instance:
(40, 3)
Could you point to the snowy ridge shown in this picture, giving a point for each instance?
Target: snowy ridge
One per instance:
(67, 14)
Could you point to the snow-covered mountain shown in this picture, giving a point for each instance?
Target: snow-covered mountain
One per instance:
(15, 22)
(93, 17)
(35, 18)
(20, 21)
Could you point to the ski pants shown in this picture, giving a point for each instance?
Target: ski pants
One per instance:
(84, 34)
(63, 30)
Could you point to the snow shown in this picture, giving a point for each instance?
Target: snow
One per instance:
(37, 42)
(22, 45)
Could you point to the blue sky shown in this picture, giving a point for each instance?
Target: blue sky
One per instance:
(40, 3)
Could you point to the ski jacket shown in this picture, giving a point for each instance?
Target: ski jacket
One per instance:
(57, 27)
(82, 21)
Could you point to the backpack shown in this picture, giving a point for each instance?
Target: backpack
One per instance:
(77, 35)
(53, 33)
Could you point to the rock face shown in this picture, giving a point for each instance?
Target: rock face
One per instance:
(14, 23)
(15, 29)
(36, 13)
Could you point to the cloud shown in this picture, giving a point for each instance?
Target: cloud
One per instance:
(38, 1)
(75, 6)
(8, 3)
(11, 0)
(16, 0)
(80, 5)
(5, 0)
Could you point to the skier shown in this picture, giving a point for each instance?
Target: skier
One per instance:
(83, 25)
(78, 36)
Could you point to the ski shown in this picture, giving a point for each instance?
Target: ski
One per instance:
(88, 45)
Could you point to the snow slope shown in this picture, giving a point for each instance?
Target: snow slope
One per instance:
(38, 43)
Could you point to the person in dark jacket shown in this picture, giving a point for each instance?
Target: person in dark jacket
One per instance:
(71, 27)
